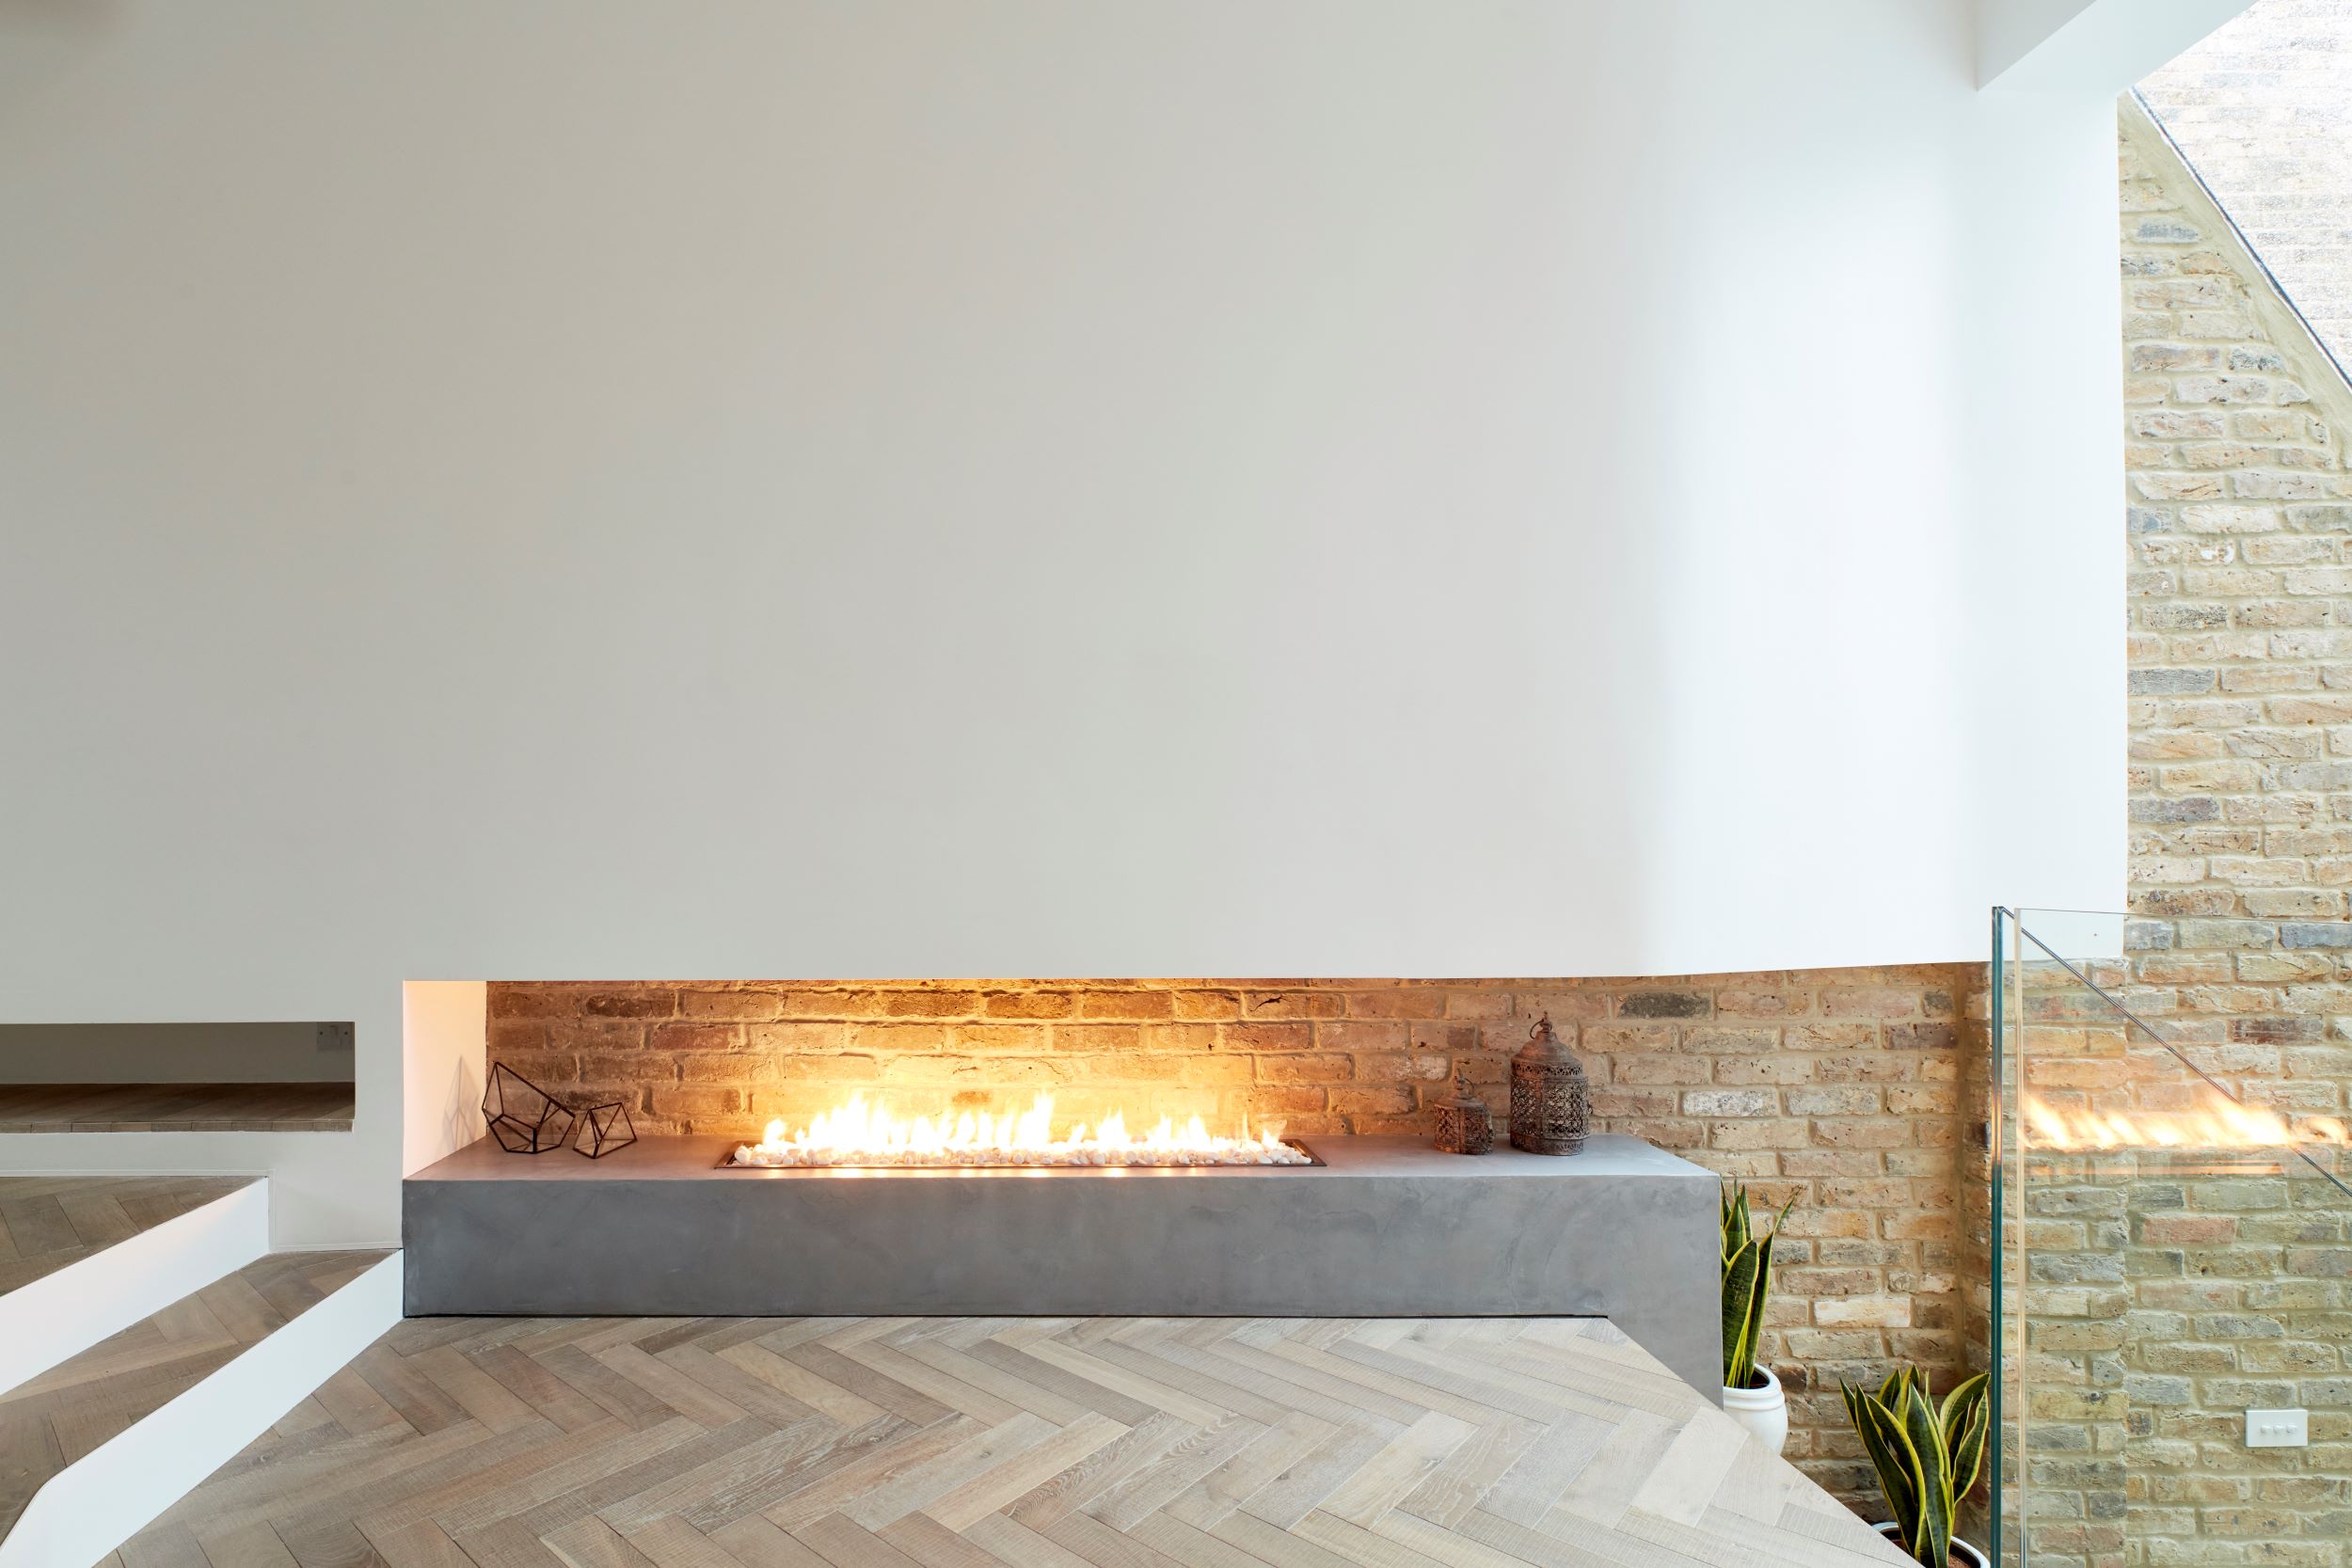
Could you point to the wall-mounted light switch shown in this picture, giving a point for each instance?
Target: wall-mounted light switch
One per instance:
(2278, 1429)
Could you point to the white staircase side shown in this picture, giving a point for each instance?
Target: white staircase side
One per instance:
(101, 1500)
(62, 1314)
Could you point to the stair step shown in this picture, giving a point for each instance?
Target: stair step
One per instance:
(97, 1254)
(47, 1222)
(176, 1107)
(96, 1446)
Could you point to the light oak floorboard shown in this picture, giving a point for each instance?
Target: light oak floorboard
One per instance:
(60, 1416)
(47, 1222)
(954, 1443)
(176, 1107)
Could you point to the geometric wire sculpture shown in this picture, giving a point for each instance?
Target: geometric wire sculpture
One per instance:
(524, 1117)
(603, 1129)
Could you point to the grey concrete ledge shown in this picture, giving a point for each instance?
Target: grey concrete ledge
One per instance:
(1385, 1227)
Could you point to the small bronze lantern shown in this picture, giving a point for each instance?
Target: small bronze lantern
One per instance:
(1463, 1126)
(1551, 1106)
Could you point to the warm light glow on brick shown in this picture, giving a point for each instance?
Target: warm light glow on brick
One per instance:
(2219, 1123)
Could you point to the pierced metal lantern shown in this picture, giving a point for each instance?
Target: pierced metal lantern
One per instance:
(1551, 1105)
(1463, 1125)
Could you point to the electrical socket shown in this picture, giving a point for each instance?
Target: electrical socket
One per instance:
(2278, 1429)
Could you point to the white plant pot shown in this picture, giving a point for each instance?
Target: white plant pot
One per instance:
(1763, 1411)
(1961, 1549)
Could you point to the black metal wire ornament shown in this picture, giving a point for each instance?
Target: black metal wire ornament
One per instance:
(524, 1117)
(603, 1129)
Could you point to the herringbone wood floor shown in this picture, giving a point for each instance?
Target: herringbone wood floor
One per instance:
(58, 1417)
(1004, 1443)
(47, 1222)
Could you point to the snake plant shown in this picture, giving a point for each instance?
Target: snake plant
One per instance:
(1747, 1280)
(1926, 1453)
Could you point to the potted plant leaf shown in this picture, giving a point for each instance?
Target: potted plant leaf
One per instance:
(1926, 1453)
(1752, 1395)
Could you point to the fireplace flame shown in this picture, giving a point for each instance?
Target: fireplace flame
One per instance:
(2219, 1123)
(860, 1134)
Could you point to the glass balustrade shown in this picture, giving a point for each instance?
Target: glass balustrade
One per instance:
(2165, 1155)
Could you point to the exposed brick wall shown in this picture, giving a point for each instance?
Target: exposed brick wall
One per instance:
(2162, 1295)
(2264, 108)
(1836, 1086)
(2240, 540)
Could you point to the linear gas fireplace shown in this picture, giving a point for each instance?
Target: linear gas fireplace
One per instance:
(1064, 1148)
(871, 1136)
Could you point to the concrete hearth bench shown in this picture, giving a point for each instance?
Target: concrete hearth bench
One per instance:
(1385, 1227)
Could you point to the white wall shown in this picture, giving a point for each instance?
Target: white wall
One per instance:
(1035, 487)
(443, 1034)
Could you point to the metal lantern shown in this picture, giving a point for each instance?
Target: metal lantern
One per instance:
(1463, 1126)
(1551, 1106)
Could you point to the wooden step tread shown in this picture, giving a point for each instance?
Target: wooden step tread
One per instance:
(60, 1416)
(176, 1107)
(47, 1222)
